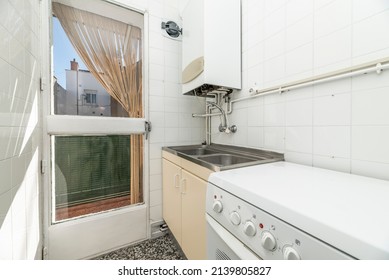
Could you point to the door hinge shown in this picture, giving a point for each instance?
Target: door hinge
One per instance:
(44, 253)
(43, 166)
(42, 84)
(147, 129)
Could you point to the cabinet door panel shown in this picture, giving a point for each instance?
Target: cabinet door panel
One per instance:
(193, 216)
(172, 198)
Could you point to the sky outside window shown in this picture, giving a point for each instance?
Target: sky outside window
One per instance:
(63, 53)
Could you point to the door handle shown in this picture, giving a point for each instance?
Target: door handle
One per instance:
(176, 179)
(147, 129)
(183, 184)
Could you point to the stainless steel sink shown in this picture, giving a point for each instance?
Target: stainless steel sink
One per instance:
(226, 159)
(197, 151)
(221, 157)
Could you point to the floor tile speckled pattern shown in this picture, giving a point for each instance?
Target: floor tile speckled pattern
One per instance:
(162, 248)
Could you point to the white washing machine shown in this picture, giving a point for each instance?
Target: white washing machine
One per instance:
(288, 211)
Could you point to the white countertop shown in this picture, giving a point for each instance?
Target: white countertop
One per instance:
(349, 212)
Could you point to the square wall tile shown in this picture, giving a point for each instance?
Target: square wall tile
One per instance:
(156, 72)
(370, 107)
(5, 175)
(255, 34)
(157, 119)
(332, 110)
(298, 139)
(156, 213)
(275, 45)
(171, 104)
(155, 151)
(255, 116)
(255, 55)
(157, 135)
(299, 60)
(171, 119)
(6, 199)
(155, 198)
(370, 143)
(155, 166)
(274, 114)
(299, 112)
(6, 243)
(299, 158)
(333, 141)
(364, 9)
(370, 35)
(274, 138)
(334, 87)
(156, 104)
(172, 89)
(367, 82)
(156, 56)
(326, 54)
(155, 182)
(255, 137)
(171, 134)
(273, 5)
(297, 94)
(332, 17)
(296, 10)
(184, 134)
(274, 71)
(255, 76)
(18, 209)
(275, 22)
(332, 163)
(370, 169)
(300, 33)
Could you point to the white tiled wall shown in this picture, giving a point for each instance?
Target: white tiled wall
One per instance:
(342, 125)
(20, 131)
(170, 111)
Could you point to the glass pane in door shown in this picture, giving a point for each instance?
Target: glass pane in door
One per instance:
(91, 174)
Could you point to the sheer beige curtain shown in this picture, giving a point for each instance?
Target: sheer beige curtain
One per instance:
(112, 51)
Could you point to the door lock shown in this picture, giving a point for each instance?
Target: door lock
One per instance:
(147, 129)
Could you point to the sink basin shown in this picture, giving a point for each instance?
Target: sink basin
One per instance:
(222, 157)
(197, 151)
(226, 159)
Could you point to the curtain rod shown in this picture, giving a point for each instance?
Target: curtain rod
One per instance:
(375, 66)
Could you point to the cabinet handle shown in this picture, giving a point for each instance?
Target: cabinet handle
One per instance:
(176, 178)
(183, 184)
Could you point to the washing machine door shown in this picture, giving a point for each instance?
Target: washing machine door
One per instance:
(222, 245)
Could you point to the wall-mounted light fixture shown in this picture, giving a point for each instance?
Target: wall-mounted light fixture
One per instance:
(172, 29)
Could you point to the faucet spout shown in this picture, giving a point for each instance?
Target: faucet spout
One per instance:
(223, 127)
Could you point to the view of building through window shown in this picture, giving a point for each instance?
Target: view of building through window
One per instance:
(83, 95)
(92, 173)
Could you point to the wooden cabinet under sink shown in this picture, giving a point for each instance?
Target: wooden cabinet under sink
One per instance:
(184, 190)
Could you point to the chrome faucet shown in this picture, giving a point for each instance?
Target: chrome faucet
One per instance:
(223, 127)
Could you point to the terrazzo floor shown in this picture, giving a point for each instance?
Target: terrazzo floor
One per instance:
(161, 248)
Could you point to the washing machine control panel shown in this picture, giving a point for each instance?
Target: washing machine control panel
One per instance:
(266, 235)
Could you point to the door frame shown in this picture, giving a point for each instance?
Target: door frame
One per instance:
(106, 222)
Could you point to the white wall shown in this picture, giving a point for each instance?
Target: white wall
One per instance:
(169, 111)
(20, 131)
(342, 125)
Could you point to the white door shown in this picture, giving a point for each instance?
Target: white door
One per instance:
(87, 199)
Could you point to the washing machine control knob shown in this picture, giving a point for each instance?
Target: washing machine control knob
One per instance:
(235, 218)
(291, 253)
(268, 241)
(217, 206)
(249, 228)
